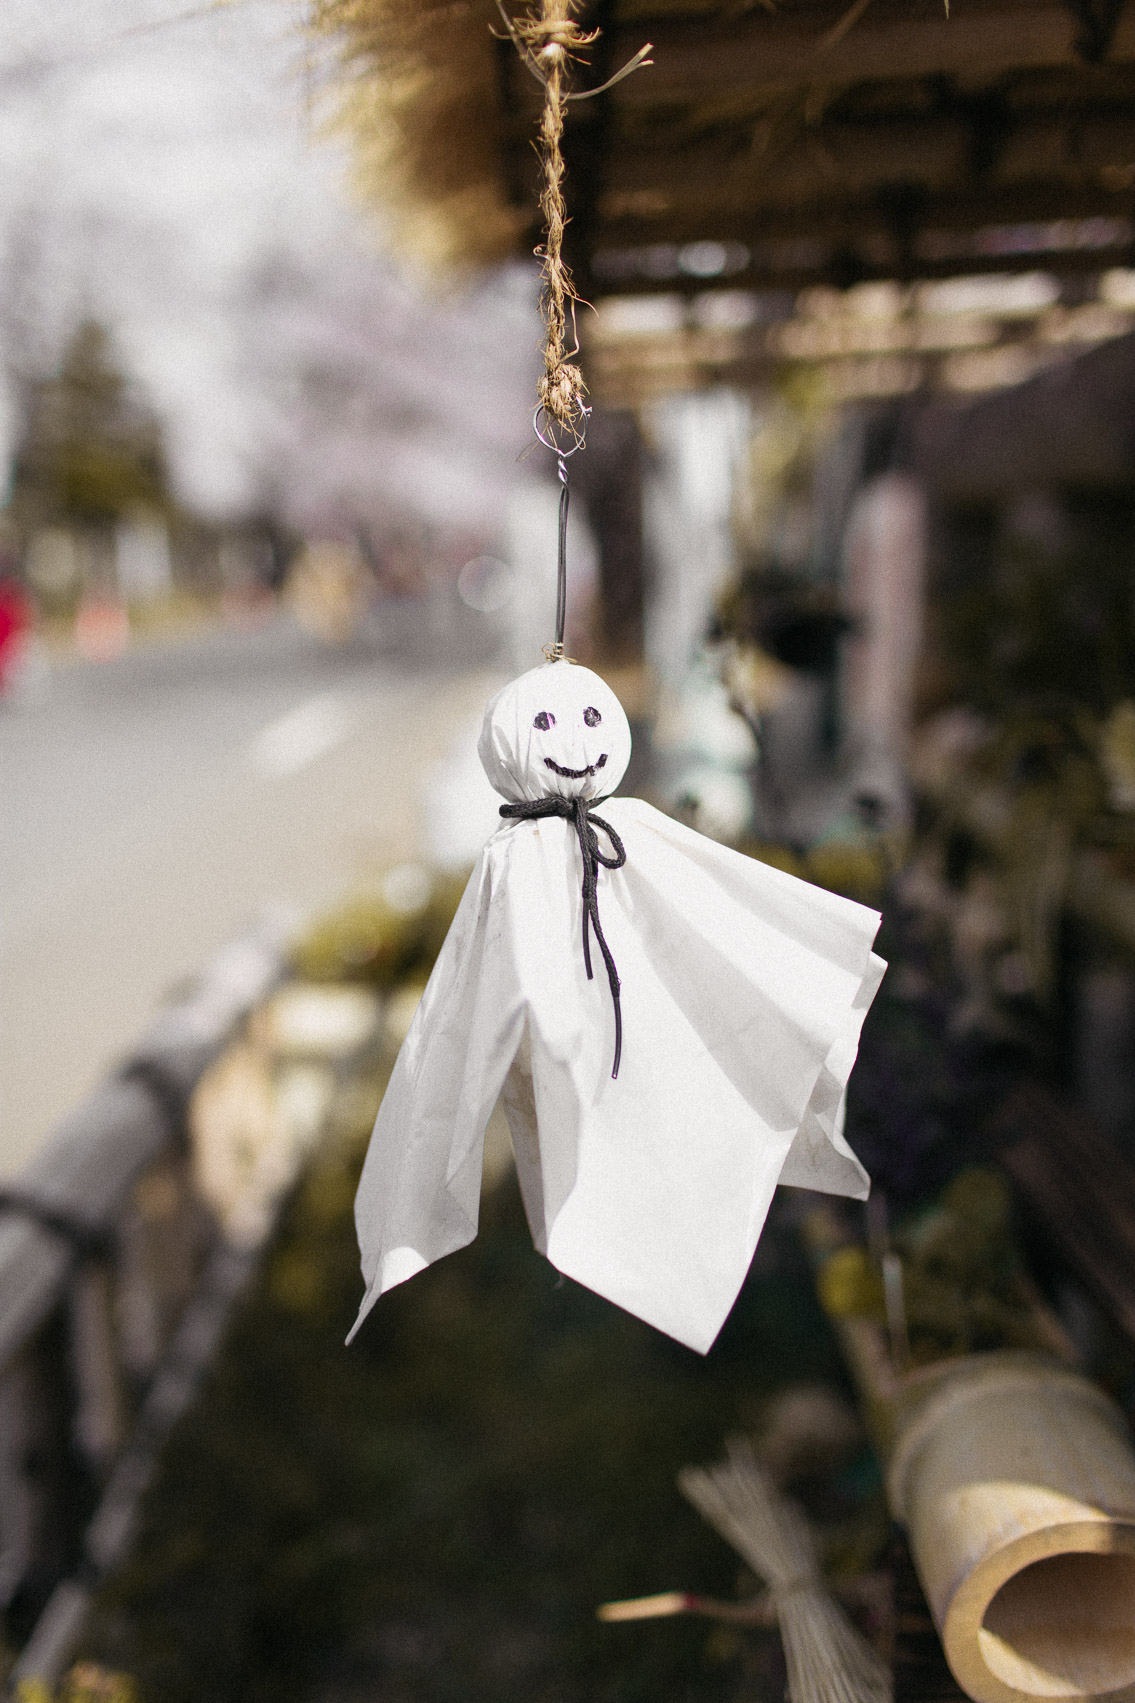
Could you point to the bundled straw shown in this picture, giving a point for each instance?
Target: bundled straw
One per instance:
(827, 1659)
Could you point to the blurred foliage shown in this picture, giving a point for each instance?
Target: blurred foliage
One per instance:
(859, 869)
(776, 855)
(965, 1283)
(89, 453)
(793, 619)
(964, 1276)
(1001, 821)
(926, 1079)
(370, 939)
(87, 1682)
(1021, 874)
(1032, 647)
(1035, 608)
(850, 1285)
(434, 1515)
(773, 495)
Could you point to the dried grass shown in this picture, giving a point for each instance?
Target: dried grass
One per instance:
(417, 95)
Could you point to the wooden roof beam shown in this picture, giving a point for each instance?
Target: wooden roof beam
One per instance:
(832, 265)
(701, 59)
(823, 214)
(711, 183)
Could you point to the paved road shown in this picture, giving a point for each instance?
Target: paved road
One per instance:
(153, 807)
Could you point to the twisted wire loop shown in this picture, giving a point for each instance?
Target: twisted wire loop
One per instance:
(578, 812)
(561, 555)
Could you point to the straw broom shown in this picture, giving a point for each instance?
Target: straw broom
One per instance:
(827, 1659)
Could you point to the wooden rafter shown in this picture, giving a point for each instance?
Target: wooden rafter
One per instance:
(877, 141)
(705, 59)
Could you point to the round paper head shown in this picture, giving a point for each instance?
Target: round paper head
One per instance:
(558, 729)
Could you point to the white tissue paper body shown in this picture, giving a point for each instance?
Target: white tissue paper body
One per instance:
(743, 993)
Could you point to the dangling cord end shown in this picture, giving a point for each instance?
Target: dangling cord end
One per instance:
(618, 1035)
(590, 877)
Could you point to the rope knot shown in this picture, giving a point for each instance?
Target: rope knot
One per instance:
(561, 391)
(560, 37)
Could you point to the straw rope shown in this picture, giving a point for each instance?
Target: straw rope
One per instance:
(549, 39)
(827, 1659)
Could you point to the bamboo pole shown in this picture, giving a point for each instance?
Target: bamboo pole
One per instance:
(1015, 1478)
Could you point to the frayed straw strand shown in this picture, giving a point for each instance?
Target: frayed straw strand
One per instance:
(827, 1659)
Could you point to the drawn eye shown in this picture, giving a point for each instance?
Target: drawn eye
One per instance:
(591, 716)
(544, 720)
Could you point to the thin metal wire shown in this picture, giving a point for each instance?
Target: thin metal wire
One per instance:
(546, 433)
(561, 557)
(574, 436)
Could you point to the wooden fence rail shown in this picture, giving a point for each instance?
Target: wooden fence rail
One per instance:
(114, 1285)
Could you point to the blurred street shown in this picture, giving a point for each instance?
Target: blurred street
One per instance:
(156, 806)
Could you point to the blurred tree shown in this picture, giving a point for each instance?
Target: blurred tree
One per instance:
(90, 453)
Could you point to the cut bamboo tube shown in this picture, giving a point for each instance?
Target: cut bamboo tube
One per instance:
(1016, 1480)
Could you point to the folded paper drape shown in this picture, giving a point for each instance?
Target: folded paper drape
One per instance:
(743, 993)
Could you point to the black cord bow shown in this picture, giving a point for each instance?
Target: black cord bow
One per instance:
(577, 810)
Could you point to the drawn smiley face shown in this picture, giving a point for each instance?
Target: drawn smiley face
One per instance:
(557, 729)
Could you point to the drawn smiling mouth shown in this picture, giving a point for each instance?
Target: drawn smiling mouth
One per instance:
(576, 774)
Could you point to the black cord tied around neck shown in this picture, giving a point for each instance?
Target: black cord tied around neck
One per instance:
(577, 811)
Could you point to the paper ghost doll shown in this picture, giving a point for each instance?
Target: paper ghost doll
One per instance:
(669, 1024)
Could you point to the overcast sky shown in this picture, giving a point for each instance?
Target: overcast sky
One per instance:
(163, 171)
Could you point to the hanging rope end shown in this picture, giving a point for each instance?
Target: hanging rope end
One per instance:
(562, 392)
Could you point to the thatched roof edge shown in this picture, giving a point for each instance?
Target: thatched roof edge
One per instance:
(417, 95)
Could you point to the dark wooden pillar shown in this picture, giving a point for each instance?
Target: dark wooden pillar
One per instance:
(607, 476)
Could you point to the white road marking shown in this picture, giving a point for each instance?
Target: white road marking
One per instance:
(298, 737)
